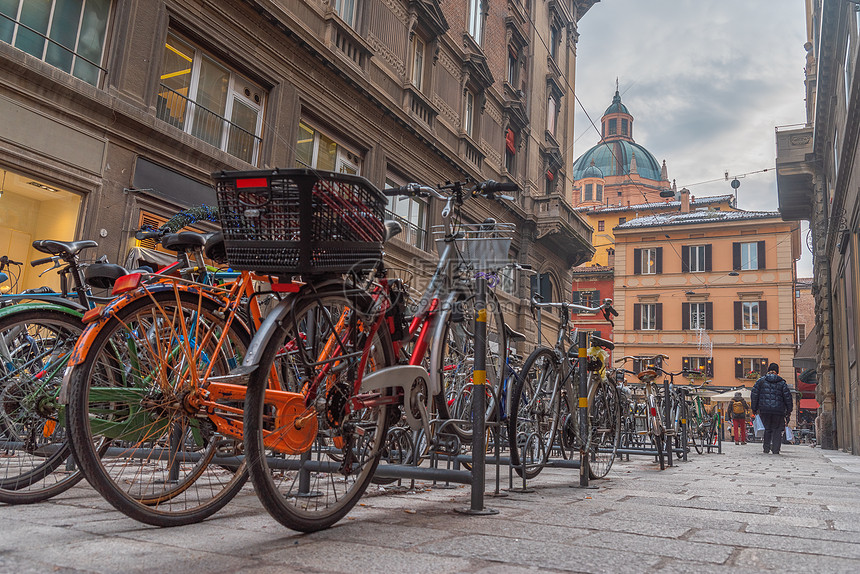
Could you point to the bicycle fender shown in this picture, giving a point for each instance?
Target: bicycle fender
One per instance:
(43, 301)
(402, 377)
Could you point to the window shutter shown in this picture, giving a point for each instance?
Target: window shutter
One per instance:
(659, 321)
(659, 260)
(736, 256)
(595, 298)
(762, 315)
(637, 365)
(738, 318)
(685, 316)
(762, 367)
(761, 255)
(709, 315)
(739, 368)
(637, 316)
(637, 261)
(709, 368)
(575, 298)
(708, 257)
(685, 259)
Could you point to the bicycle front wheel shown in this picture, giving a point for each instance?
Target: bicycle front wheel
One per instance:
(139, 391)
(311, 460)
(604, 414)
(36, 462)
(534, 416)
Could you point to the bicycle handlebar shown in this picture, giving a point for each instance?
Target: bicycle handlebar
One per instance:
(42, 261)
(606, 305)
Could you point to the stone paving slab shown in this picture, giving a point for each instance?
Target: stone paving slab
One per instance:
(737, 511)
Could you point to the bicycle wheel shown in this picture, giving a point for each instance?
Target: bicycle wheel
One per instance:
(694, 434)
(35, 457)
(316, 474)
(139, 388)
(456, 362)
(534, 415)
(605, 420)
(659, 444)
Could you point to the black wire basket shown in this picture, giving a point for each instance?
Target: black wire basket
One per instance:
(300, 221)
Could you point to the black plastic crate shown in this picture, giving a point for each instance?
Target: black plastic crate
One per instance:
(300, 221)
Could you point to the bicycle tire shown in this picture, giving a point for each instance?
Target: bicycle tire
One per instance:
(694, 437)
(158, 467)
(456, 362)
(533, 420)
(310, 490)
(605, 420)
(36, 461)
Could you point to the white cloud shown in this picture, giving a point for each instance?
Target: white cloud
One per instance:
(707, 82)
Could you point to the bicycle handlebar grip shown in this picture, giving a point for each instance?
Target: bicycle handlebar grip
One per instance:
(612, 310)
(490, 187)
(156, 234)
(41, 261)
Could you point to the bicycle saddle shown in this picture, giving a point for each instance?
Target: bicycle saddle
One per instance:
(647, 374)
(68, 250)
(513, 335)
(392, 228)
(598, 342)
(214, 248)
(183, 241)
(103, 275)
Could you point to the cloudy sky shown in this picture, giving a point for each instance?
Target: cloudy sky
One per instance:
(707, 81)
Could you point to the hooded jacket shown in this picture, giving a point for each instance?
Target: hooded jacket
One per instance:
(771, 395)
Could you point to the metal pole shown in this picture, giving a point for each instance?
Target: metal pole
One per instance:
(684, 435)
(583, 408)
(479, 401)
(667, 410)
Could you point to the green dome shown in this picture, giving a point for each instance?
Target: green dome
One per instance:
(613, 158)
(616, 107)
(592, 171)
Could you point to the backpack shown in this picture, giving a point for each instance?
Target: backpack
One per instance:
(738, 408)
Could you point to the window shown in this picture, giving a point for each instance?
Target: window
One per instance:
(643, 363)
(554, 41)
(648, 261)
(476, 20)
(507, 281)
(469, 114)
(703, 365)
(613, 126)
(749, 256)
(697, 316)
(587, 192)
(411, 212)
(68, 35)
(598, 192)
(513, 66)
(418, 62)
(801, 333)
(621, 220)
(750, 315)
(587, 298)
(624, 123)
(550, 182)
(205, 99)
(346, 10)
(649, 317)
(511, 151)
(750, 368)
(697, 255)
(317, 150)
(601, 225)
(551, 114)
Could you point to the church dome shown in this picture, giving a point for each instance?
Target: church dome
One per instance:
(591, 171)
(614, 158)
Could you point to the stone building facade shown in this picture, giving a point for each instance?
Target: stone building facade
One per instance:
(120, 119)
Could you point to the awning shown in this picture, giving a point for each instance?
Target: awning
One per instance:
(804, 358)
(809, 404)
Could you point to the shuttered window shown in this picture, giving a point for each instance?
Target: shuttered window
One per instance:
(750, 315)
(745, 366)
(703, 365)
(748, 256)
(648, 316)
(648, 261)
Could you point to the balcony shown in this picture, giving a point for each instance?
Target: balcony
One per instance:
(560, 228)
(794, 171)
(204, 124)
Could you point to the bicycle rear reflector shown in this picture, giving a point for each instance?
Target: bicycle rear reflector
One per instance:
(126, 283)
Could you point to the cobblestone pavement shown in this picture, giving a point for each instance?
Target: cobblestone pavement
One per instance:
(737, 511)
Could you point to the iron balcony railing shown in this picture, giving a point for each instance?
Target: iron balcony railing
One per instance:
(204, 124)
(412, 234)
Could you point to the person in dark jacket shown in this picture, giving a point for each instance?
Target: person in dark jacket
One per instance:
(771, 399)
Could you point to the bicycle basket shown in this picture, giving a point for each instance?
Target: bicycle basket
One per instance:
(300, 221)
(482, 246)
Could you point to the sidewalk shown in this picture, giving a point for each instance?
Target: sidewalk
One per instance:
(738, 511)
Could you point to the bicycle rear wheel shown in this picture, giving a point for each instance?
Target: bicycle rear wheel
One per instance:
(138, 389)
(605, 420)
(311, 477)
(36, 462)
(534, 412)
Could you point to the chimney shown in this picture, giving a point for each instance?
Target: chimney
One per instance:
(610, 257)
(685, 200)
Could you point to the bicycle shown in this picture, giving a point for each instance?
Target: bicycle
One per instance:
(38, 329)
(546, 394)
(656, 428)
(342, 344)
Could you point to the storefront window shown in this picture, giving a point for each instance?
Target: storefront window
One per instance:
(29, 210)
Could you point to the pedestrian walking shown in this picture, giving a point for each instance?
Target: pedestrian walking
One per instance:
(771, 400)
(738, 408)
